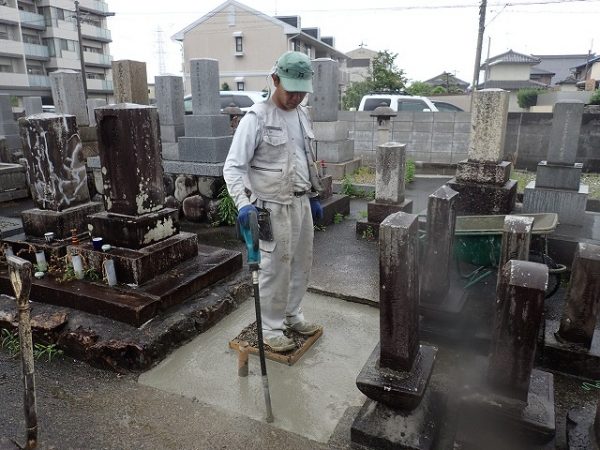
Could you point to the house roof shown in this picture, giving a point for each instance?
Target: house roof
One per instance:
(287, 28)
(446, 77)
(362, 52)
(510, 57)
(560, 64)
(592, 60)
(569, 80)
(536, 70)
(511, 85)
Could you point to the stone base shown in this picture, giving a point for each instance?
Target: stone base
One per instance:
(135, 232)
(570, 205)
(136, 305)
(330, 131)
(139, 266)
(206, 125)
(37, 221)
(12, 181)
(377, 212)
(483, 199)
(485, 173)
(570, 358)
(336, 204)
(204, 149)
(170, 150)
(170, 133)
(580, 429)
(557, 176)
(491, 421)
(9, 226)
(194, 168)
(335, 151)
(25, 246)
(395, 389)
(367, 230)
(16, 194)
(339, 170)
(379, 427)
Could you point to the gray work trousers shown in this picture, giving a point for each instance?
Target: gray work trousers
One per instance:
(285, 264)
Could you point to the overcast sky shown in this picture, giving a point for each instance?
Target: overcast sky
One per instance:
(429, 36)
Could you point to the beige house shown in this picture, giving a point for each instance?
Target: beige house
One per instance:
(247, 42)
(360, 64)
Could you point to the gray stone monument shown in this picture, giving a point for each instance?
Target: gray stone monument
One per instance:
(207, 132)
(557, 187)
(389, 187)
(9, 128)
(332, 143)
(396, 375)
(32, 105)
(514, 405)
(516, 239)
(68, 95)
(483, 180)
(92, 104)
(169, 101)
(130, 81)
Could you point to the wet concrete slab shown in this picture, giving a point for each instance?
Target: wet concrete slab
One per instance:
(309, 398)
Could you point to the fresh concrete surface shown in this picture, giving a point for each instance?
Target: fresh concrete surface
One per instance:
(308, 398)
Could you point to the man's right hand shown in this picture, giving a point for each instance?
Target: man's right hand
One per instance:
(244, 215)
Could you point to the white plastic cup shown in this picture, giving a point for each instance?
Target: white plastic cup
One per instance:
(40, 259)
(78, 267)
(108, 267)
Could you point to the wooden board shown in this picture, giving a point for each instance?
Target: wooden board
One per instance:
(303, 343)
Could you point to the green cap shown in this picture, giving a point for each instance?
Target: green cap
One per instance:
(295, 72)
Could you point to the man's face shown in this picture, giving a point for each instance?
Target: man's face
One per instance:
(284, 99)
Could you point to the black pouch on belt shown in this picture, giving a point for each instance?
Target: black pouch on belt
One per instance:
(265, 231)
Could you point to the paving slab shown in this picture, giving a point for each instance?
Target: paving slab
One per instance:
(309, 398)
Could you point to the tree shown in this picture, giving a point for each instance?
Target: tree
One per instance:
(595, 99)
(419, 88)
(527, 97)
(225, 86)
(384, 76)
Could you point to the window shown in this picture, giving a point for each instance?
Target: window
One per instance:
(412, 105)
(4, 32)
(68, 45)
(296, 45)
(240, 85)
(51, 48)
(239, 45)
(372, 103)
(6, 65)
(31, 39)
(35, 70)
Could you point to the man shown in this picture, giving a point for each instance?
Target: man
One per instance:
(271, 165)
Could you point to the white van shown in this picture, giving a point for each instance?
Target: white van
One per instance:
(397, 102)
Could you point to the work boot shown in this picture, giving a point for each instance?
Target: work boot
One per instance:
(304, 328)
(280, 344)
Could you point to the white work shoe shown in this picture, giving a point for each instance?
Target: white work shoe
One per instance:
(304, 328)
(280, 344)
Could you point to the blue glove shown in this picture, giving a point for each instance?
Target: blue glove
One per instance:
(243, 215)
(316, 209)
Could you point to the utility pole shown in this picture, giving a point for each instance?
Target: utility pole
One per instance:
(78, 19)
(482, 9)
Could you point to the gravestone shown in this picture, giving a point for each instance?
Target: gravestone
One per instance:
(516, 239)
(571, 345)
(483, 179)
(32, 105)
(332, 143)
(401, 412)
(169, 101)
(68, 95)
(207, 132)
(9, 129)
(389, 188)
(513, 406)
(130, 82)
(557, 187)
(92, 104)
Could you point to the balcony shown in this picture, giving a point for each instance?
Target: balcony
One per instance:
(35, 51)
(97, 59)
(99, 85)
(96, 33)
(32, 20)
(9, 15)
(39, 81)
(13, 79)
(11, 48)
(96, 6)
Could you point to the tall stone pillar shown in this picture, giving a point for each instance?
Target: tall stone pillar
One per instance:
(396, 375)
(130, 82)
(516, 239)
(68, 95)
(169, 101)
(389, 187)
(483, 180)
(92, 104)
(557, 185)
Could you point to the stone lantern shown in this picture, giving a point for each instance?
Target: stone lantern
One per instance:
(384, 115)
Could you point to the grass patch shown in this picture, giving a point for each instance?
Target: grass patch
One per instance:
(523, 177)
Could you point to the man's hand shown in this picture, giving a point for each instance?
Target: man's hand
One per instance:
(316, 209)
(244, 215)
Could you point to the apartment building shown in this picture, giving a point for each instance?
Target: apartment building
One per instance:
(40, 36)
(247, 42)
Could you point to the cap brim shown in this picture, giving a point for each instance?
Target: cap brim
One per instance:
(296, 85)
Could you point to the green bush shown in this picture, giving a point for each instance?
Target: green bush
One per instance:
(226, 209)
(526, 98)
(409, 171)
(595, 98)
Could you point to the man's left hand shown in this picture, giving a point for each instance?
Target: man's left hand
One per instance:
(316, 209)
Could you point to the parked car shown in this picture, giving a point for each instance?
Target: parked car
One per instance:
(242, 99)
(397, 102)
(446, 107)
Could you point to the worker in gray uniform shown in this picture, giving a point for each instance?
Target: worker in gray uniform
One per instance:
(271, 166)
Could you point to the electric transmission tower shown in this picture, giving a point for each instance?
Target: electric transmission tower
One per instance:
(160, 50)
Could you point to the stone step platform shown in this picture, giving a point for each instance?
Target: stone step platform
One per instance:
(136, 305)
(336, 204)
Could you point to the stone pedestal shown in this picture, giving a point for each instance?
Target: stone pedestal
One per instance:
(8, 127)
(130, 82)
(569, 205)
(13, 183)
(331, 203)
(68, 94)
(558, 176)
(484, 199)
(38, 221)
